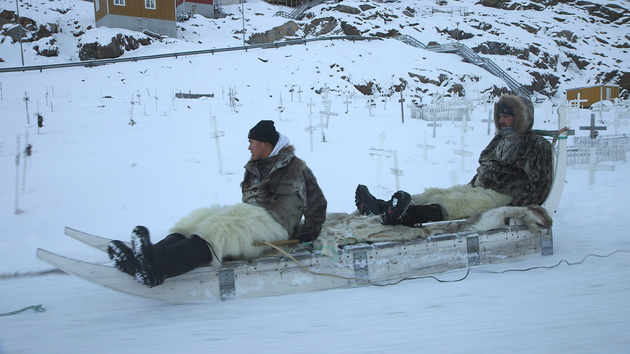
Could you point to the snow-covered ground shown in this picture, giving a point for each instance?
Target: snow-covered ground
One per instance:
(92, 170)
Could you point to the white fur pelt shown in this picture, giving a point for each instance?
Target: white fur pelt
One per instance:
(232, 230)
(343, 229)
(533, 216)
(461, 201)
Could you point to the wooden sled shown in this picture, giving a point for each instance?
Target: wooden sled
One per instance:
(392, 254)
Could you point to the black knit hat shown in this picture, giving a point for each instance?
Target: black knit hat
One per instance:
(505, 109)
(264, 131)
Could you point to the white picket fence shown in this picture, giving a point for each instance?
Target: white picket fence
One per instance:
(609, 148)
(446, 113)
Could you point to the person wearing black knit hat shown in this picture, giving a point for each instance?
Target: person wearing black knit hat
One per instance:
(264, 131)
(263, 138)
(278, 190)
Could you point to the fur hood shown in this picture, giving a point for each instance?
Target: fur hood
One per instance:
(523, 109)
(517, 163)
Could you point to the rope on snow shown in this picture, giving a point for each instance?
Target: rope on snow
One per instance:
(36, 308)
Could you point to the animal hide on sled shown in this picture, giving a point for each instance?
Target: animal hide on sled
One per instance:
(344, 229)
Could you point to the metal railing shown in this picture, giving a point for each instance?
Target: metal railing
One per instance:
(472, 57)
(299, 11)
(98, 62)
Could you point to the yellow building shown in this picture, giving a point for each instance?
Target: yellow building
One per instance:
(592, 94)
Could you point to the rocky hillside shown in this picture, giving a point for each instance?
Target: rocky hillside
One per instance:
(547, 45)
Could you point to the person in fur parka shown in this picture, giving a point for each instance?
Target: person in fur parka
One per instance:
(515, 169)
(278, 190)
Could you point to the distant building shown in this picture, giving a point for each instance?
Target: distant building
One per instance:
(152, 16)
(207, 8)
(593, 94)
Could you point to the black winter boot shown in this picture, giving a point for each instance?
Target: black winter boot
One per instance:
(398, 207)
(367, 203)
(143, 253)
(418, 214)
(123, 257)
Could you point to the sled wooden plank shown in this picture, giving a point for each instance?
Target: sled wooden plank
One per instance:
(190, 287)
(98, 242)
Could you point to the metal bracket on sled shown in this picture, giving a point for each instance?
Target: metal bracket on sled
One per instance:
(546, 243)
(227, 288)
(361, 269)
(472, 248)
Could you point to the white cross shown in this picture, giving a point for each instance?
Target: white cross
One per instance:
(425, 146)
(463, 152)
(280, 108)
(327, 112)
(402, 101)
(216, 135)
(592, 165)
(434, 125)
(490, 120)
(310, 129)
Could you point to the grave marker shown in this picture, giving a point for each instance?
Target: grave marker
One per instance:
(463, 153)
(216, 135)
(26, 99)
(592, 165)
(425, 146)
(593, 128)
(402, 111)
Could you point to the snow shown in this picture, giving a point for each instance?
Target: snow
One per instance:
(91, 170)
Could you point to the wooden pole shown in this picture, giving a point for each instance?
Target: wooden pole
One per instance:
(265, 243)
(17, 176)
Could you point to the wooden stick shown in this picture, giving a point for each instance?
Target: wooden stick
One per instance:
(265, 243)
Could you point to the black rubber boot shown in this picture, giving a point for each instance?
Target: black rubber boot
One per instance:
(367, 203)
(399, 204)
(143, 253)
(418, 214)
(123, 257)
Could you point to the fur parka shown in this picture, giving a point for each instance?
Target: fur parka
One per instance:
(277, 192)
(285, 187)
(515, 169)
(517, 162)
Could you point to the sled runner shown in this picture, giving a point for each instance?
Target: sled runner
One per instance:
(367, 254)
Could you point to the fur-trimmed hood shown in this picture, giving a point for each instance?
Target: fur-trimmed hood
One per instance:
(523, 109)
(517, 163)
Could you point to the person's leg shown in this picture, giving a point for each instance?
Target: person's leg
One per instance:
(170, 239)
(366, 203)
(155, 264)
(418, 214)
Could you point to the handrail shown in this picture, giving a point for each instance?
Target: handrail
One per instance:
(298, 11)
(468, 54)
(98, 62)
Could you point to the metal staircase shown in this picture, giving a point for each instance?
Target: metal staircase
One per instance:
(472, 57)
(300, 10)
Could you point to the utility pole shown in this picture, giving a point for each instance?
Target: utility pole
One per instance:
(17, 7)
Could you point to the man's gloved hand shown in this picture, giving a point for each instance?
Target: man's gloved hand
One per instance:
(305, 238)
